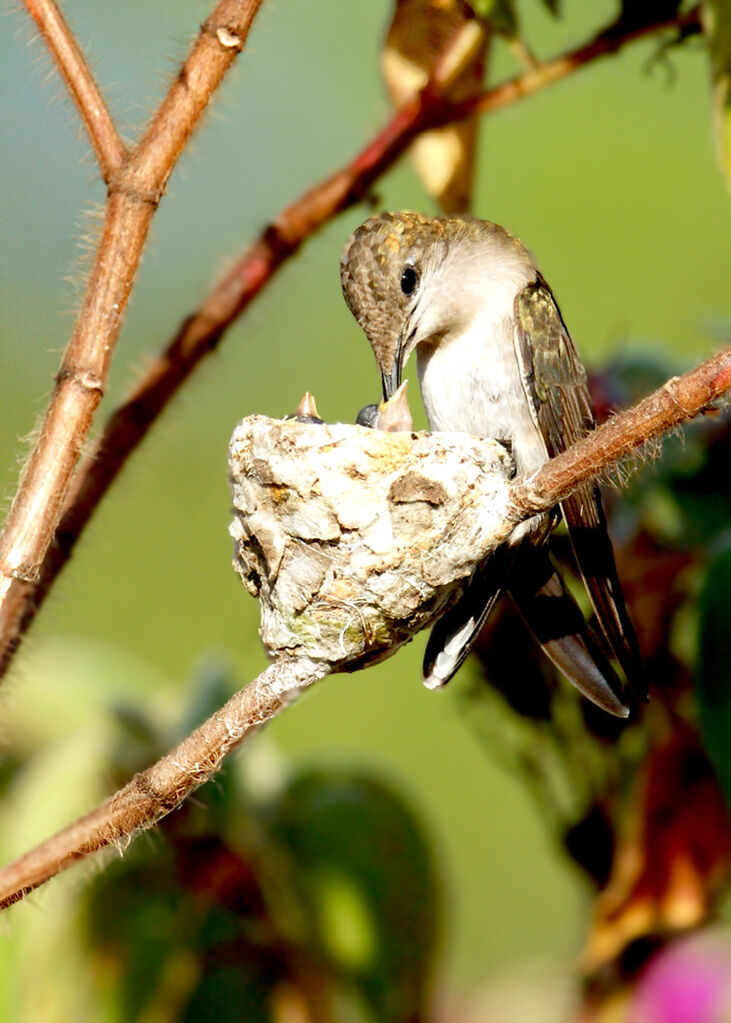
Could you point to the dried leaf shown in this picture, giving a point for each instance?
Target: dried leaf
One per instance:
(425, 35)
(712, 676)
(673, 854)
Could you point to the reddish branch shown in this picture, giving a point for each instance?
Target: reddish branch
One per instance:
(163, 787)
(201, 331)
(603, 45)
(87, 97)
(135, 189)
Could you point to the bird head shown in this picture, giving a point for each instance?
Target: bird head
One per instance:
(412, 280)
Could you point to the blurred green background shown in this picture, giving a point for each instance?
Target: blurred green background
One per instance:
(610, 177)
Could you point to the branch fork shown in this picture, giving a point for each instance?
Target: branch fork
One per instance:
(136, 182)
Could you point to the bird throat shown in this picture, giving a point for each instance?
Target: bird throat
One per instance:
(471, 383)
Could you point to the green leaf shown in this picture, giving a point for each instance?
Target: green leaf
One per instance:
(717, 29)
(713, 677)
(363, 872)
(500, 14)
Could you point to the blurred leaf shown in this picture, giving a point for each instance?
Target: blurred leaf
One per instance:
(180, 930)
(713, 678)
(365, 873)
(700, 482)
(685, 501)
(10, 766)
(134, 743)
(135, 928)
(501, 15)
(590, 843)
(651, 573)
(628, 379)
(330, 898)
(717, 29)
(230, 991)
(138, 740)
(212, 683)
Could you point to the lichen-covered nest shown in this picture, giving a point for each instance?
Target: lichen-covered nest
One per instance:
(354, 539)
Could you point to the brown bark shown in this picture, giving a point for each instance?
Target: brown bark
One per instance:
(89, 101)
(135, 189)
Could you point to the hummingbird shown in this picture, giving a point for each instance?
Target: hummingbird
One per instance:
(494, 359)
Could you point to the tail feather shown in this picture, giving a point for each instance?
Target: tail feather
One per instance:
(556, 621)
(592, 547)
(531, 578)
(453, 636)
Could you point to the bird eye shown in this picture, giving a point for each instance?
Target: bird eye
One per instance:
(409, 280)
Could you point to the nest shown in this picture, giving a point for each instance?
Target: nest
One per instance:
(355, 539)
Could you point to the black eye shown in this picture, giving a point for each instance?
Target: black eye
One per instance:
(409, 280)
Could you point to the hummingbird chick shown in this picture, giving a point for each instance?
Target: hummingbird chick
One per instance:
(306, 411)
(392, 416)
(494, 359)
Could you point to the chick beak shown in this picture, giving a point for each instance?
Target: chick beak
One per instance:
(394, 415)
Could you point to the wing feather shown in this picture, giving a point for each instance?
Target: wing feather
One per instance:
(556, 386)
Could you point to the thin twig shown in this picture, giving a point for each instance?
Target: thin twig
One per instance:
(71, 63)
(604, 44)
(153, 793)
(200, 332)
(164, 786)
(134, 193)
(679, 400)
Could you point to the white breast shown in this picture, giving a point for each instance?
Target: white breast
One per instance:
(472, 383)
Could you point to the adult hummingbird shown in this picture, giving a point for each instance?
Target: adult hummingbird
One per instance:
(494, 359)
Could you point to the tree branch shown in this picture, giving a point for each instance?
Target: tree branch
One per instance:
(679, 400)
(332, 591)
(134, 193)
(604, 44)
(153, 793)
(200, 332)
(70, 60)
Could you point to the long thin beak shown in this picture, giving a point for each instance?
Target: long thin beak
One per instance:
(392, 380)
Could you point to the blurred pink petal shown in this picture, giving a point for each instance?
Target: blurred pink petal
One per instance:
(688, 983)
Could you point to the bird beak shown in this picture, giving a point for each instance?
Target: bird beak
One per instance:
(392, 380)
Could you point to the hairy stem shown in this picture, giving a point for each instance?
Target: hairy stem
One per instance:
(677, 401)
(153, 793)
(134, 192)
(89, 101)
